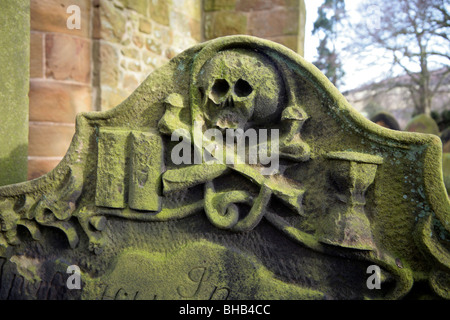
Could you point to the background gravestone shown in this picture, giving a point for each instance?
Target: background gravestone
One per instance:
(14, 77)
(339, 196)
(445, 137)
(422, 123)
(385, 119)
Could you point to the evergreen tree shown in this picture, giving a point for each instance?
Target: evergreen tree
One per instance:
(330, 17)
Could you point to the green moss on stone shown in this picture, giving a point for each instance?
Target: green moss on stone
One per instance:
(446, 170)
(422, 123)
(14, 77)
(198, 271)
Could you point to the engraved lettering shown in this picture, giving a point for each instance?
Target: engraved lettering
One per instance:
(197, 276)
(221, 293)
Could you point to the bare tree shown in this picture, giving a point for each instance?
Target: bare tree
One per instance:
(414, 36)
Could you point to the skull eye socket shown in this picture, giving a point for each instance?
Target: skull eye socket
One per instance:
(219, 89)
(242, 88)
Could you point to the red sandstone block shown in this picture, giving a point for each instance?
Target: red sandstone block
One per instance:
(68, 58)
(258, 5)
(51, 16)
(36, 55)
(58, 102)
(271, 23)
(38, 166)
(49, 140)
(292, 42)
(219, 24)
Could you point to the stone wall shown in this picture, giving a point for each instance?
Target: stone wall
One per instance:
(134, 37)
(282, 21)
(60, 80)
(119, 44)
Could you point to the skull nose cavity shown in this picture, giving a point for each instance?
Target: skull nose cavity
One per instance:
(219, 90)
(242, 88)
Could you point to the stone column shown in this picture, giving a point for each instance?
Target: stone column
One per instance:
(60, 79)
(282, 21)
(14, 79)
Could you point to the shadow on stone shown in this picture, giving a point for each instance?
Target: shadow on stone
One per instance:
(11, 166)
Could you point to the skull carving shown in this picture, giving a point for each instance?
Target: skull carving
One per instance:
(239, 89)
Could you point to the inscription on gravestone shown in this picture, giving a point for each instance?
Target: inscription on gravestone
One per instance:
(236, 171)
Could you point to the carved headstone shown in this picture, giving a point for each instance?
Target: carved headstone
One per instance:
(236, 171)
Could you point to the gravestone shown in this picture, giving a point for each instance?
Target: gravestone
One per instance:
(385, 119)
(156, 200)
(14, 79)
(422, 123)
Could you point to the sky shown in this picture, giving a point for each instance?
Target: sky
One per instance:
(355, 75)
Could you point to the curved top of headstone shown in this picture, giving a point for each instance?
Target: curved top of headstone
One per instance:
(424, 124)
(342, 185)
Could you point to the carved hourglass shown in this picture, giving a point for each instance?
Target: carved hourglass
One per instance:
(345, 223)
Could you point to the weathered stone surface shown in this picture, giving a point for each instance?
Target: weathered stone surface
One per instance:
(293, 42)
(153, 46)
(185, 25)
(111, 22)
(282, 21)
(109, 70)
(58, 102)
(154, 61)
(140, 6)
(224, 23)
(111, 173)
(138, 41)
(159, 11)
(218, 5)
(49, 140)
(162, 34)
(446, 171)
(14, 78)
(36, 55)
(195, 28)
(130, 82)
(111, 97)
(146, 167)
(39, 166)
(67, 58)
(134, 66)
(130, 52)
(151, 205)
(191, 8)
(145, 26)
(51, 16)
(258, 5)
(207, 279)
